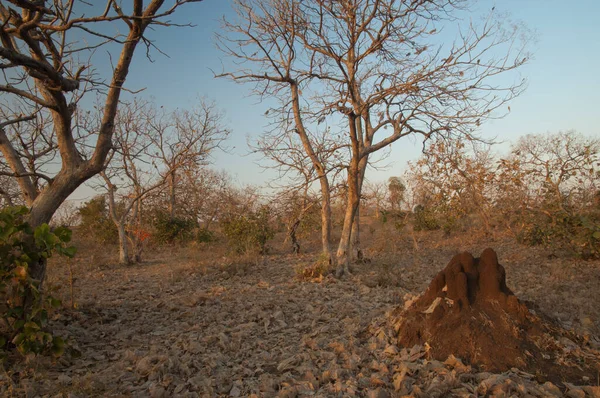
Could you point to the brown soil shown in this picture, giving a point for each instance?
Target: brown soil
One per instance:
(468, 311)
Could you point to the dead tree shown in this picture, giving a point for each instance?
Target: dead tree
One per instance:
(187, 137)
(266, 41)
(371, 67)
(149, 148)
(42, 48)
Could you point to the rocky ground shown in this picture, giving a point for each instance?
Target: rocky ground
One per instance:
(189, 323)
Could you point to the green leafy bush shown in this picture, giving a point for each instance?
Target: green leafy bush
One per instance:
(248, 232)
(425, 219)
(169, 229)
(204, 235)
(579, 234)
(95, 221)
(24, 309)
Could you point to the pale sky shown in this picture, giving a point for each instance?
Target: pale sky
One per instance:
(563, 91)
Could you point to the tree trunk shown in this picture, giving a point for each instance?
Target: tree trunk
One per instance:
(138, 243)
(357, 254)
(45, 205)
(325, 218)
(172, 199)
(123, 247)
(344, 248)
(321, 172)
(293, 238)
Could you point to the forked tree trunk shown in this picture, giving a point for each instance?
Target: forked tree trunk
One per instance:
(355, 177)
(344, 248)
(118, 220)
(45, 205)
(320, 169)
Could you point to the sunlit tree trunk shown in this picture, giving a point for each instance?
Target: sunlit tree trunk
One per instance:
(353, 199)
(357, 254)
(321, 173)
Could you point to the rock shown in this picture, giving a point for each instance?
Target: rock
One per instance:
(64, 380)
(156, 391)
(592, 391)
(576, 394)
(551, 389)
(235, 392)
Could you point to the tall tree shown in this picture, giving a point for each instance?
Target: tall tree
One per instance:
(43, 49)
(381, 69)
(187, 137)
(396, 189)
(150, 148)
(265, 37)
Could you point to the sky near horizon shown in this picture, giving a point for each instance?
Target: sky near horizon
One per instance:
(563, 80)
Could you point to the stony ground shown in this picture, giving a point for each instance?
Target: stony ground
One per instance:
(191, 323)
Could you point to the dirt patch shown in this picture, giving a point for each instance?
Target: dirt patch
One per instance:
(192, 323)
(468, 311)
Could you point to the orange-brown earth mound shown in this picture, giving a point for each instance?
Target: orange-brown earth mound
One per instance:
(468, 311)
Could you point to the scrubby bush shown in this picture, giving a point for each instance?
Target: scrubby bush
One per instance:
(249, 231)
(204, 235)
(320, 268)
(95, 221)
(169, 229)
(24, 309)
(578, 234)
(424, 219)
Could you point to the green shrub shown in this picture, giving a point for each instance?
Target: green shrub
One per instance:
(578, 233)
(203, 235)
(95, 221)
(425, 219)
(397, 216)
(24, 312)
(248, 232)
(169, 229)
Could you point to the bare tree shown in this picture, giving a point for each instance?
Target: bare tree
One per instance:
(203, 191)
(558, 170)
(376, 194)
(457, 178)
(187, 137)
(285, 152)
(150, 148)
(373, 65)
(265, 37)
(43, 49)
(128, 176)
